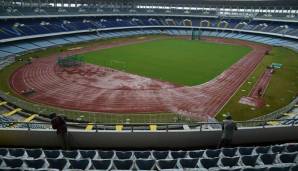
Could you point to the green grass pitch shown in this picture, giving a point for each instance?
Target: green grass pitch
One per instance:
(183, 62)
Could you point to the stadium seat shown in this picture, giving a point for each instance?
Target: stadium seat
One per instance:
(267, 159)
(158, 155)
(178, 154)
(13, 163)
(122, 155)
(106, 154)
(292, 148)
(294, 167)
(52, 154)
(166, 164)
(79, 164)
(262, 150)
(249, 160)
(145, 164)
(229, 161)
(245, 151)
(288, 157)
(188, 163)
(35, 164)
(101, 164)
(88, 154)
(3, 152)
(17, 152)
(34, 153)
(279, 168)
(70, 154)
(278, 148)
(142, 154)
(208, 163)
(57, 163)
(210, 153)
(255, 169)
(228, 152)
(123, 164)
(196, 154)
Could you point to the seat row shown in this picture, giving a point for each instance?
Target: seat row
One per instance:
(157, 155)
(256, 161)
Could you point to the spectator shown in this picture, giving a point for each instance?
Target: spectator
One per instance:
(58, 123)
(228, 128)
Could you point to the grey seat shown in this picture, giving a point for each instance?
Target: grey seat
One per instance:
(196, 154)
(245, 151)
(17, 152)
(178, 154)
(57, 163)
(262, 149)
(52, 153)
(142, 154)
(70, 154)
(278, 148)
(88, 154)
(158, 155)
(106, 154)
(188, 163)
(268, 159)
(292, 148)
(36, 164)
(122, 155)
(212, 153)
(209, 163)
(13, 163)
(79, 164)
(3, 152)
(229, 161)
(288, 157)
(166, 164)
(123, 164)
(250, 160)
(101, 164)
(228, 152)
(34, 153)
(145, 164)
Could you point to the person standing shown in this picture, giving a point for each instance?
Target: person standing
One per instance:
(228, 128)
(59, 124)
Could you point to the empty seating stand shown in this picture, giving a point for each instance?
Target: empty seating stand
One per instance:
(264, 158)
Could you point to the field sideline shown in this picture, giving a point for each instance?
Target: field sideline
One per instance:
(179, 61)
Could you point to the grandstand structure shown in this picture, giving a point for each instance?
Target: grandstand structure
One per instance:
(33, 25)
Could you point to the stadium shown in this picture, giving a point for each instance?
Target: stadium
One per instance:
(149, 85)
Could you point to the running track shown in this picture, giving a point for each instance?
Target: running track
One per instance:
(55, 88)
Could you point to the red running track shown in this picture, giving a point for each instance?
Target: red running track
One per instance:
(98, 89)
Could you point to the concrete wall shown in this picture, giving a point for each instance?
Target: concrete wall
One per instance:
(145, 139)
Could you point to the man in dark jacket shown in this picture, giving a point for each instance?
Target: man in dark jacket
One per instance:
(58, 123)
(228, 128)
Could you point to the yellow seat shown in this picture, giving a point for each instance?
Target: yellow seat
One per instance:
(273, 123)
(288, 114)
(89, 127)
(153, 128)
(119, 128)
(3, 103)
(12, 112)
(30, 118)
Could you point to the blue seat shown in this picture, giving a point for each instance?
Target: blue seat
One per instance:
(228, 152)
(279, 168)
(123, 155)
(166, 164)
(34, 153)
(209, 163)
(142, 154)
(249, 160)
(288, 157)
(188, 163)
(57, 164)
(268, 159)
(294, 168)
(123, 164)
(3, 152)
(178, 154)
(88, 154)
(79, 164)
(52, 153)
(245, 151)
(101, 164)
(229, 161)
(158, 155)
(262, 149)
(292, 148)
(70, 154)
(212, 153)
(278, 148)
(13, 163)
(35, 164)
(196, 154)
(17, 152)
(145, 164)
(255, 169)
(106, 154)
